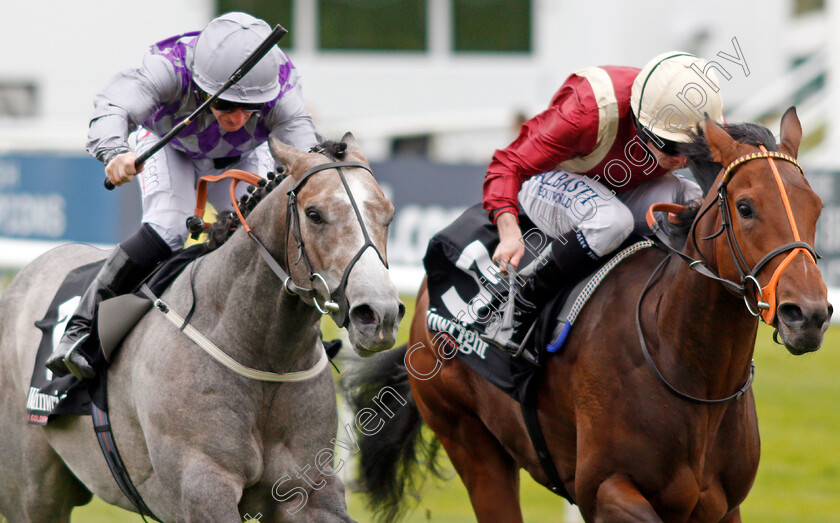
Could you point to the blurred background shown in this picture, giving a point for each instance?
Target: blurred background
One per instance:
(429, 88)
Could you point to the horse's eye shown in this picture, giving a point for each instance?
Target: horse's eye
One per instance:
(745, 209)
(314, 216)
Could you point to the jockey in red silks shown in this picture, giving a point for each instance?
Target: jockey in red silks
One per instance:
(139, 106)
(586, 170)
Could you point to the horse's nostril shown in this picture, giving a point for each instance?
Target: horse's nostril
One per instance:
(401, 312)
(791, 314)
(805, 315)
(363, 315)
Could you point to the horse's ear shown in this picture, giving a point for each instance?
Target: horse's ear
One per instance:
(723, 147)
(791, 132)
(285, 154)
(353, 148)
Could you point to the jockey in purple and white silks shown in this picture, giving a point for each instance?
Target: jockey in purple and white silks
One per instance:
(175, 77)
(138, 106)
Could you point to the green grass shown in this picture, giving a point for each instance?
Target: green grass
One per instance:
(798, 479)
(798, 401)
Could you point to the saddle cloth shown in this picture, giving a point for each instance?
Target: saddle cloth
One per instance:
(457, 263)
(50, 396)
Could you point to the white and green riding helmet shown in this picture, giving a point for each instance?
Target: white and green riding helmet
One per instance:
(672, 93)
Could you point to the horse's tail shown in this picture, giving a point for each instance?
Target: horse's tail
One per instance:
(390, 459)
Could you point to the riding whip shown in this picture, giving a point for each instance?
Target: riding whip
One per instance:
(275, 36)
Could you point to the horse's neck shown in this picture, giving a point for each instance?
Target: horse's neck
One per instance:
(268, 328)
(706, 327)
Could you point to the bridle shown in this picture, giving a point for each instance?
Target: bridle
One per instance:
(748, 288)
(339, 303)
(336, 301)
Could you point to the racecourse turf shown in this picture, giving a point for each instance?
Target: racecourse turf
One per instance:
(798, 478)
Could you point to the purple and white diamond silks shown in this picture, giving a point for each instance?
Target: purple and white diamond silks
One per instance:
(204, 138)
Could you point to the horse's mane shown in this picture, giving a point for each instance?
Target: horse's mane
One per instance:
(700, 161)
(705, 169)
(227, 222)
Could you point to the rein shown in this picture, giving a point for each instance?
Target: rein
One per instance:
(336, 301)
(196, 224)
(749, 288)
(338, 304)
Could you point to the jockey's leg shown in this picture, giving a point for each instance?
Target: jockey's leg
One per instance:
(129, 263)
(167, 183)
(579, 221)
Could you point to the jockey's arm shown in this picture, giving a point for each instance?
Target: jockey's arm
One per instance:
(125, 102)
(120, 169)
(511, 248)
(564, 131)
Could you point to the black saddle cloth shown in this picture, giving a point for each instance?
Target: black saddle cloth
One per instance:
(50, 396)
(456, 262)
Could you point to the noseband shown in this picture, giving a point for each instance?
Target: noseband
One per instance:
(749, 288)
(336, 301)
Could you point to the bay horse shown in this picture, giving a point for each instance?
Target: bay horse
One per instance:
(655, 423)
(200, 442)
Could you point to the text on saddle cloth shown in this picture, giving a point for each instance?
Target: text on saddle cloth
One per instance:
(461, 280)
(48, 395)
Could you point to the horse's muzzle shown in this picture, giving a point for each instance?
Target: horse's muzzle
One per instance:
(802, 324)
(373, 325)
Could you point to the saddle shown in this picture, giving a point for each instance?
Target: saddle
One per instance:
(458, 266)
(49, 396)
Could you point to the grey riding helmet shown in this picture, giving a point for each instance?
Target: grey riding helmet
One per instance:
(222, 47)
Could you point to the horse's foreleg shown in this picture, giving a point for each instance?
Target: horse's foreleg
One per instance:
(208, 494)
(489, 473)
(487, 470)
(619, 500)
(296, 505)
(733, 517)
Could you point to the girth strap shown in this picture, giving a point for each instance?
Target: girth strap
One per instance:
(105, 437)
(530, 413)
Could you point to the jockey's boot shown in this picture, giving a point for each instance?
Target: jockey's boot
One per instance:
(121, 273)
(118, 273)
(557, 265)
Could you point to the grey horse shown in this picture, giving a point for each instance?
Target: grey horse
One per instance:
(200, 442)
